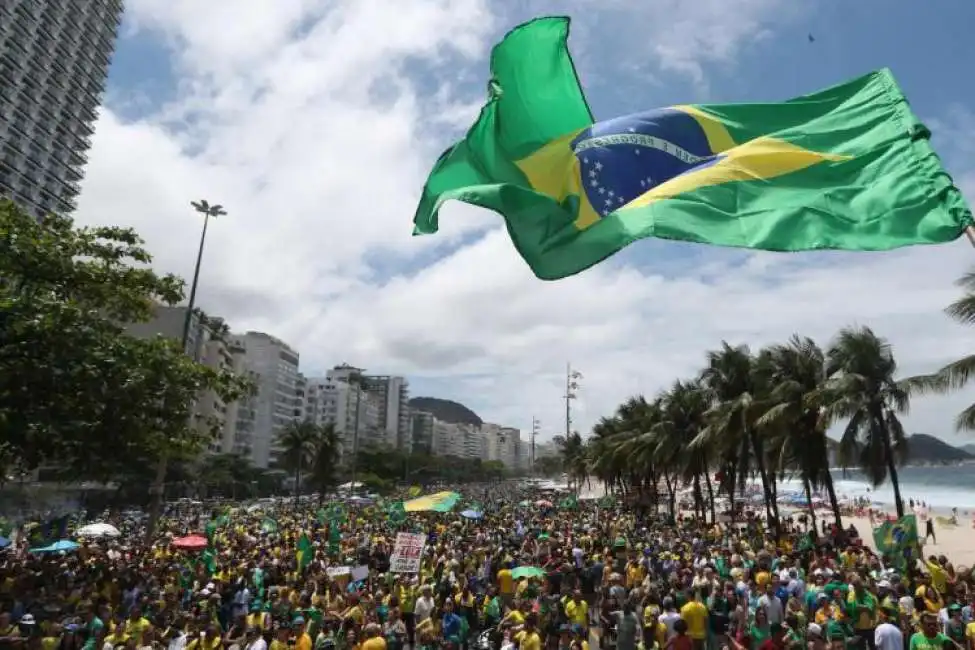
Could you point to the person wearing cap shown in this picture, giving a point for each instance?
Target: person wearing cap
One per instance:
(301, 638)
(954, 627)
(814, 638)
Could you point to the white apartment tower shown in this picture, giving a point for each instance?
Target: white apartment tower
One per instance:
(334, 400)
(393, 395)
(54, 58)
(272, 364)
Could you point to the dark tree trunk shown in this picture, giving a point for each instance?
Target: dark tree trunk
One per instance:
(759, 454)
(833, 502)
(809, 505)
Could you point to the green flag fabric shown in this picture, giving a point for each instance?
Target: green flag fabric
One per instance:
(846, 168)
(898, 540)
(304, 552)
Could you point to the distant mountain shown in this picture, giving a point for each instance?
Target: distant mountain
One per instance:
(922, 448)
(446, 410)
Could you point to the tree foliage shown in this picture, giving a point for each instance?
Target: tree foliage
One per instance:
(76, 390)
(757, 414)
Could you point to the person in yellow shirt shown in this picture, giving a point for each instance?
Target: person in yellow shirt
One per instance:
(302, 640)
(939, 577)
(117, 637)
(695, 614)
(530, 638)
(577, 610)
(281, 637)
(506, 585)
(762, 578)
(210, 640)
(137, 625)
(635, 573)
(374, 639)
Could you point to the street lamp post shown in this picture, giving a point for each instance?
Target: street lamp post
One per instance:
(159, 483)
(571, 386)
(536, 427)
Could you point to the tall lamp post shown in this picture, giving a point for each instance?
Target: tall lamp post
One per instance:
(159, 484)
(536, 427)
(572, 378)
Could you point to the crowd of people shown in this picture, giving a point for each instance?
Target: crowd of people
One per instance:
(498, 571)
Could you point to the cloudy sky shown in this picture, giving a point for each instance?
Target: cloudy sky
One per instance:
(315, 121)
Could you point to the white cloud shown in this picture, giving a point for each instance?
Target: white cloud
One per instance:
(304, 119)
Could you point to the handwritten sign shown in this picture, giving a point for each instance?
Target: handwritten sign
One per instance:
(407, 553)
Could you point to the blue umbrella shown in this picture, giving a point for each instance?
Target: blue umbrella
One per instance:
(56, 547)
(472, 514)
(4, 542)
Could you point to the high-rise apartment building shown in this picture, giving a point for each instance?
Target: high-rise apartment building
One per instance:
(501, 444)
(334, 400)
(54, 58)
(394, 397)
(277, 401)
(207, 342)
(422, 431)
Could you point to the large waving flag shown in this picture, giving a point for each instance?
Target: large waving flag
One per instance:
(846, 168)
(437, 502)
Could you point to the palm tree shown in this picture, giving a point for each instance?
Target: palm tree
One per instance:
(683, 409)
(796, 370)
(574, 463)
(324, 460)
(956, 374)
(733, 377)
(298, 442)
(862, 390)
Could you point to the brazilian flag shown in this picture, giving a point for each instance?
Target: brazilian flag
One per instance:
(845, 168)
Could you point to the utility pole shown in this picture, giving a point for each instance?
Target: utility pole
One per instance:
(536, 427)
(158, 488)
(572, 378)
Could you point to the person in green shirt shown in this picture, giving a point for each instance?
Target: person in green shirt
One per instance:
(930, 636)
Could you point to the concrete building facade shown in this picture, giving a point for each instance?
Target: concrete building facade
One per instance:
(333, 400)
(273, 366)
(207, 342)
(54, 59)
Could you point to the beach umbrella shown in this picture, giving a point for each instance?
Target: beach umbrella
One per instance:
(527, 572)
(63, 545)
(471, 514)
(191, 542)
(98, 530)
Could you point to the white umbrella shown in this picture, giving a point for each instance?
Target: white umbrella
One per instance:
(98, 530)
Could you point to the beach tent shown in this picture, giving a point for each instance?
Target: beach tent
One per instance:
(438, 502)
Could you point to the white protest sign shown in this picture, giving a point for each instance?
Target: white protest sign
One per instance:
(407, 553)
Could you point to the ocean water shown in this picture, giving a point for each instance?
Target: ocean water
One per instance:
(941, 487)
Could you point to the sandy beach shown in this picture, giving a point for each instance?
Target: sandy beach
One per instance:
(957, 543)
